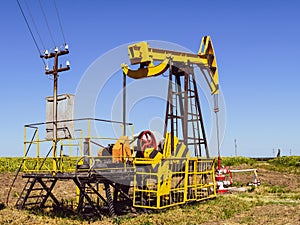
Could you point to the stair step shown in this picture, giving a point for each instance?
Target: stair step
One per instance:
(32, 203)
(37, 189)
(30, 191)
(36, 196)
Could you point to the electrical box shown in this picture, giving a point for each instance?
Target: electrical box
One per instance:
(65, 114)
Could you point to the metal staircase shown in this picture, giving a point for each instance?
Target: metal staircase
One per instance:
(36, 191)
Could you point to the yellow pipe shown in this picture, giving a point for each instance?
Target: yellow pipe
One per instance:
(37, 147)
(38, 142)
(25, 142)
(89, 128)
(54, 166)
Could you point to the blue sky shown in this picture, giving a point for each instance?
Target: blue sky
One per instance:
(256, 43)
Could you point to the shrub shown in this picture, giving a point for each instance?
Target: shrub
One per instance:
(235, 161)
(286, 161)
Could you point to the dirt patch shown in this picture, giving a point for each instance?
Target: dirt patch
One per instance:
(268, 214)
(6, 181)
(291, 182)
(63, 189)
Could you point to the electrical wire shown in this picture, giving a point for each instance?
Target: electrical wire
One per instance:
(46, 21)
(31, 33)
(34, 24)
(59, 21)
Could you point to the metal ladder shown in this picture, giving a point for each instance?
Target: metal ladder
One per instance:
(195, 119)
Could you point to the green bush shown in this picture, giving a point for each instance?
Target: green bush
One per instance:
(286, 161)
(9, 164)
(235, 161)
(12, 164)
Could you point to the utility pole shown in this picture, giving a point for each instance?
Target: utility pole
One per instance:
(55, 74)
(235, 147)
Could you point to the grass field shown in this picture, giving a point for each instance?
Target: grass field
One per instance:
(276, 201)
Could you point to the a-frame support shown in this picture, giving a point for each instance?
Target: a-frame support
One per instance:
(183, 111)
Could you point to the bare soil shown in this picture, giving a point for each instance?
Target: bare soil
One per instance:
(62, 190)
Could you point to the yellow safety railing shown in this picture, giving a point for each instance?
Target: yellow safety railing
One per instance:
(172, 181)
(38, 152)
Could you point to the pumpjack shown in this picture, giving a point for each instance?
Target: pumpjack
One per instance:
(124, 175)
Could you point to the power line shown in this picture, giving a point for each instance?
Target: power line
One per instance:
(45, 18)
(34, 40)
(37, 31)
(59, 21)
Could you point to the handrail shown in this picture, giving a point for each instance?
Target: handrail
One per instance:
(73, 120)
(20, 167)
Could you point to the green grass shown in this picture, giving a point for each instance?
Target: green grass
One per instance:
(221, 208)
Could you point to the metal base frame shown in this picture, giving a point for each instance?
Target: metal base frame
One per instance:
(97, 195)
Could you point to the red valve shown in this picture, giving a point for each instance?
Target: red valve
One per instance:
(146, 139)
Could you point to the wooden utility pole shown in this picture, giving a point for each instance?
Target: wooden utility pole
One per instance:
(55, 74)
